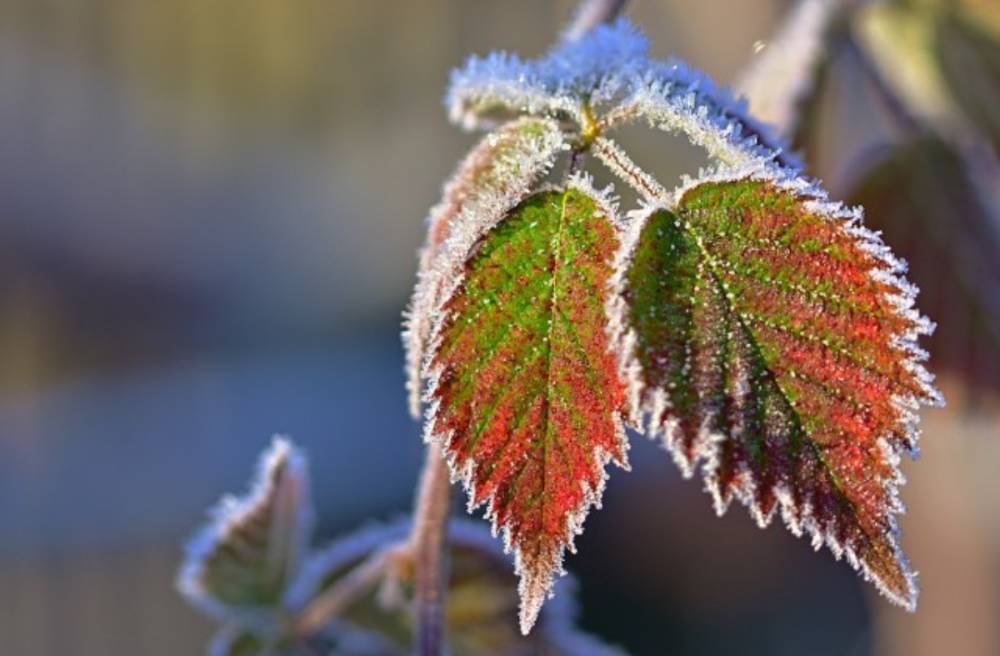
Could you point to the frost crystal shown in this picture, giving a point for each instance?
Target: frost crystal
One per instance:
(610, 72)
(495, 176)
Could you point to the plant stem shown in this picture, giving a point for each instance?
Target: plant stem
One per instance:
(339, 596)
(427, 540)
(592, 13)
(576, 161)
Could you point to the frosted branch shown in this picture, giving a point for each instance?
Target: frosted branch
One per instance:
(430, 523)
(902, 116)
(622, 165)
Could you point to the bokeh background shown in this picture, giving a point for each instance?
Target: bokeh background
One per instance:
(209, 214)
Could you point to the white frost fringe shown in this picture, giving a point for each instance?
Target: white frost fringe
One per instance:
(889, 271)
(533, 588)
(512, 176)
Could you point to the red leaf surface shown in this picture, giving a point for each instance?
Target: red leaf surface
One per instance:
(774, 342)
(527, 400)
(493, 178)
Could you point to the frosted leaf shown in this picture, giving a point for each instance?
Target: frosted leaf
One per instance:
(783, 73)
(526, 399)
(675, 98)
(495, 88)
(773, 342)
(596, 61)
(242, 562)
(597, 67)
(498, 173)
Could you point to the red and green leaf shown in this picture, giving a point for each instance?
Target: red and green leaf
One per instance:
(774, 341)
(497, 175)
(528, 403)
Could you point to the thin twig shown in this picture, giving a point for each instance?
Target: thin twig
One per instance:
(576, 161)
(361, 580)
(622, 165)
(783, 77)
(592, 13)
(427, 540)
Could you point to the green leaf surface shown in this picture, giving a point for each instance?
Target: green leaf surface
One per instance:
(774, 345)
(244, 560)
(493, 178)
(528, 403)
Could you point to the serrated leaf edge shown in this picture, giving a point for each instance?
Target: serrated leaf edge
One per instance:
(706, 450)
(533, 592)
(483, 209)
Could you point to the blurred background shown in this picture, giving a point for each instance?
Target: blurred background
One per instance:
(209, 214)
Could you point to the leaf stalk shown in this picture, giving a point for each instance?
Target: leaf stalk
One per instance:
(427, 540)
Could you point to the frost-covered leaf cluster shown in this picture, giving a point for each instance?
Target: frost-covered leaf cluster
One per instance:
(253, 568)
(754, 325)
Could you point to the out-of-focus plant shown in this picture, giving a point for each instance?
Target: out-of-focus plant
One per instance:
(754, 325)
(933, 187)
(254, 568)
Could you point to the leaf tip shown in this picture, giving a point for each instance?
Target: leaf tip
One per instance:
(534, 588)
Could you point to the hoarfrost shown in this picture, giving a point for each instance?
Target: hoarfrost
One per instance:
(609, 72)
(498, 173)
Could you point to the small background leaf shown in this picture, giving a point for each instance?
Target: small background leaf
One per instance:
(233, 640)
(244, 559)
